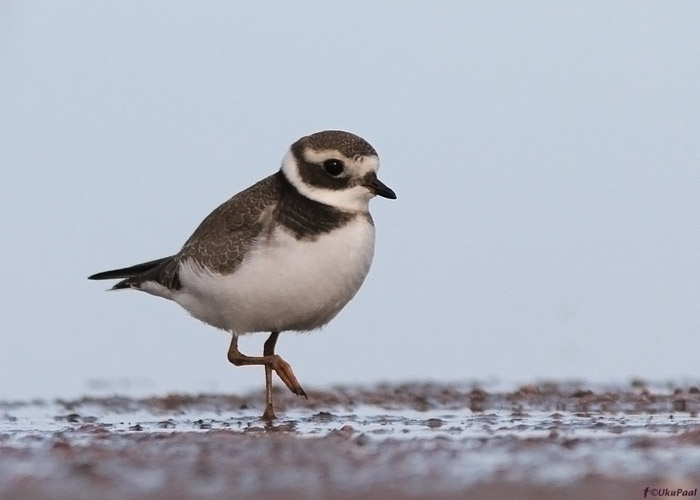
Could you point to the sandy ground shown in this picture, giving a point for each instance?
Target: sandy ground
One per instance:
(541, 441)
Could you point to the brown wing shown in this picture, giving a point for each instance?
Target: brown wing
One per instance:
(219, 243)
(223, 238)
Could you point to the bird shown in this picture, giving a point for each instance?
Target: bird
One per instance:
(286, 254)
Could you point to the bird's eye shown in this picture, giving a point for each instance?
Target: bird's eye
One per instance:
(333, 167)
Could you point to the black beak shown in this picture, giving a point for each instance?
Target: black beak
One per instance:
(380, 189)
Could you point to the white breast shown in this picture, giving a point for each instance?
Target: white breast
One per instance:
(284, 284)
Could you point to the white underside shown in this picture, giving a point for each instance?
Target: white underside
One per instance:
(284, 284)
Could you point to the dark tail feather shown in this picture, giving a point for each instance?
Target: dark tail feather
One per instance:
(127, 272)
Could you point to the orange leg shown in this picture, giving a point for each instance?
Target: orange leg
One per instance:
(271, 362)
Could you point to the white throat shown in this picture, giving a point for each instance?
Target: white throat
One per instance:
(354, 199)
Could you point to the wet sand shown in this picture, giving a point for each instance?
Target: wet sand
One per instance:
(539, 441)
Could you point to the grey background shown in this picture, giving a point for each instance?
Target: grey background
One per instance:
(545, 155)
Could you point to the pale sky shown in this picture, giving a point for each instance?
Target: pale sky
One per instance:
(546, 157)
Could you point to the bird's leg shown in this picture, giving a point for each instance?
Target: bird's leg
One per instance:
(271, 362)
(269, 350)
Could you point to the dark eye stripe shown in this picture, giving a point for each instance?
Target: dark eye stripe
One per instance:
(313, 174)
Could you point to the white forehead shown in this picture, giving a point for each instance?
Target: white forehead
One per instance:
(359, 166)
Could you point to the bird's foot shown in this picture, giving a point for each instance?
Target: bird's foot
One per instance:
(269, 414)
(286, 375)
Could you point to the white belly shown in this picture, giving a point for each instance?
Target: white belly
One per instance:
(285, 284)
